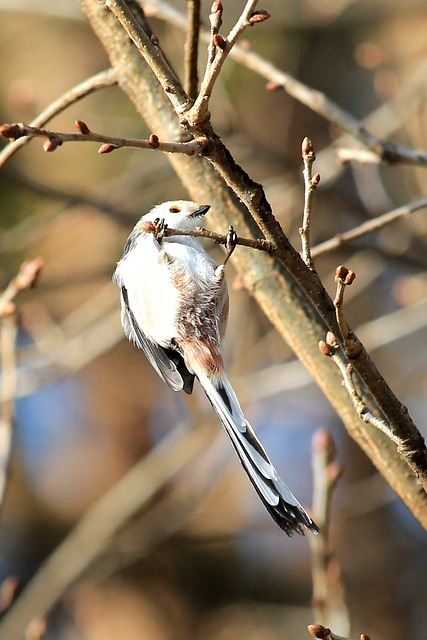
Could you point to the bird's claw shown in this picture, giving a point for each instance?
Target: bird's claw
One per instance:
(160, 227)
(230, 243)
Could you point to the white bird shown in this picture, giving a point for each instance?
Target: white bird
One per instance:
(175, 308)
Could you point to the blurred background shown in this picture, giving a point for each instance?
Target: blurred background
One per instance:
(89, 406)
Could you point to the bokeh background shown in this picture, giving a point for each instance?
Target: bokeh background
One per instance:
(89, 406)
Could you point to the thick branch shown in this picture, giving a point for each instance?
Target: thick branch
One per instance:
(292, 312)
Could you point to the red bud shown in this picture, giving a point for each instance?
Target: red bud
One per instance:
(107, 148)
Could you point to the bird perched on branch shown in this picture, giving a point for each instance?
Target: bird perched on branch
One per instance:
(175, 308)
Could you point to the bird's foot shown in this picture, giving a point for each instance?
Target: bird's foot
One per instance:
(159, 229)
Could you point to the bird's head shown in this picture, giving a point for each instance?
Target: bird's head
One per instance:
(178, 214)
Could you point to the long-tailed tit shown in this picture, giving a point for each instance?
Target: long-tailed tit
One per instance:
(175, 308)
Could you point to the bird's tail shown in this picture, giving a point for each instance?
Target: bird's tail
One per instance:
(281, 504)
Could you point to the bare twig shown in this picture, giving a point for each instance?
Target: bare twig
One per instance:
(200, 232)
(323, 633)
(100, 523)
(344, 278)
(152, 54)
(8, 383)
(191, 49)
(368, 227)
(310, 184)
(109, 143)
(332, 349)
(328, 601)
(24, 279)
(221, 47)
(215, 19)
(94, 83)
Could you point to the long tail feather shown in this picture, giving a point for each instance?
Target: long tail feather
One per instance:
(281, 504)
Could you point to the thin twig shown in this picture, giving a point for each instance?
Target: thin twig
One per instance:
(23, 280)
(258, 243)
(191, 49)
(94, 83)
(327, 601)
(109, 143)
(310, 184)
(332, 348)
(152, 54)
(344, 278)
(368, 227)
(359, 404)
(323, 633)
(215, 19)
(200, 110)
(8, 384)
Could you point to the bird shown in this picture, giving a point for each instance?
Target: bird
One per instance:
(174, 306)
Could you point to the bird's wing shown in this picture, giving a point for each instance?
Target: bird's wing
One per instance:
(165, 362)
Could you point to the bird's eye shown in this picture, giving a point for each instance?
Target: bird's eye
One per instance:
(174, 209)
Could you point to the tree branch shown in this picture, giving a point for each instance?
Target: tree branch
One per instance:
(55, 139)
(218, 52)
(150, 50)
(94, 83)
(191, 50)
(368, 227)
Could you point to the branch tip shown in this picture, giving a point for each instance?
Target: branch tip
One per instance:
(332, 340)
(306, 146)
(51, 144)
(259, 16)
(218, 41)
(82, 127)
(341, 272)
(326, 348)
(273, 86)
(8, 589)
(13, 131)
(154, 141)
(107, 148)
(323, 443)
(29, 273)
(36, 630)
(217, 7)
(319, 631)
(7, 311)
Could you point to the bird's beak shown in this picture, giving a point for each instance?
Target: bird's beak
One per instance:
(201, 211)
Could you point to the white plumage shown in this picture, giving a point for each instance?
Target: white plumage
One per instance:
(175, 308)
